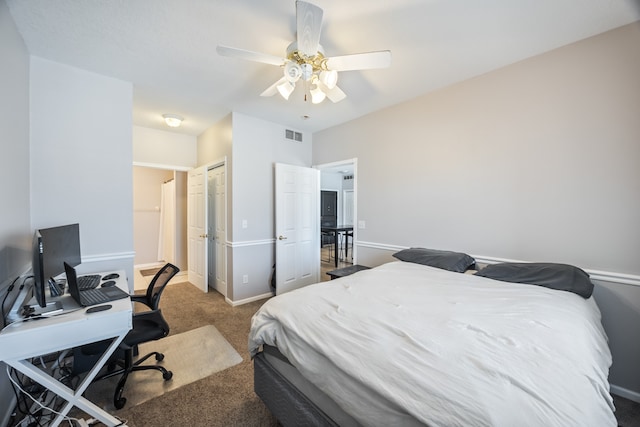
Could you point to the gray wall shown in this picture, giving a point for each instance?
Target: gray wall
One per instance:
(252, 146)
(81, 157)
(538, 161)
(15, 228)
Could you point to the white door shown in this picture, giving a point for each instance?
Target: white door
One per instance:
(297, 227)
(216, 190)
(197, 227)
(347, 207)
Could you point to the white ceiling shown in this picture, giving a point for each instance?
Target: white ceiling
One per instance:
(167, 48)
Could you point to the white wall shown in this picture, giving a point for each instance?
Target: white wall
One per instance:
(251, 147)
(15, 227)
(157, 148)
(81, 156)
(538, 161)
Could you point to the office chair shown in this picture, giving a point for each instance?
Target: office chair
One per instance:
(148, 326)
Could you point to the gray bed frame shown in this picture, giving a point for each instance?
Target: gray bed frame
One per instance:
(290, 397)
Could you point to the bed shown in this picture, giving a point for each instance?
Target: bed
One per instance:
(412, 344)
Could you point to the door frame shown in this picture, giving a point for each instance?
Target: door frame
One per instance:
(353, 162)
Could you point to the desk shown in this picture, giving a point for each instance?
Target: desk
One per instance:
(22, 341)
(336, 229)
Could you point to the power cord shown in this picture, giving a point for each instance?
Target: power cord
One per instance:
(4, 300)
(37, 402)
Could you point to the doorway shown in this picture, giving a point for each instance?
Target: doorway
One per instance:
(155, 240)
(339, 180)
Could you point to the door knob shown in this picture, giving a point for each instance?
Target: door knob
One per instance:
(204, 236)
(282, 238)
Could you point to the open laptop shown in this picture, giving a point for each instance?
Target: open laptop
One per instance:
(91, 296)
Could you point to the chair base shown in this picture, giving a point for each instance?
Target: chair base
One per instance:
(128, 367)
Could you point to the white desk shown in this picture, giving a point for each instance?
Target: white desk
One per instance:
(22, 341)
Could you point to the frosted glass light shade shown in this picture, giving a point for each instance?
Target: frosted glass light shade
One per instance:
(172, 120)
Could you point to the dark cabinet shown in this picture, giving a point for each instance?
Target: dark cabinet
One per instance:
(328, 214)
(329, 208)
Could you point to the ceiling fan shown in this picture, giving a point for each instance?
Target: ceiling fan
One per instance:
(305, 60)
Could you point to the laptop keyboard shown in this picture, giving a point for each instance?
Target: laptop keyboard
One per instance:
(89, 281)
(93, 296)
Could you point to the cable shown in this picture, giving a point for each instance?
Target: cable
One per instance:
(37, 402)
(9, 289)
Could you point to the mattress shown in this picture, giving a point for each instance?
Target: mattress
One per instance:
(407, 344)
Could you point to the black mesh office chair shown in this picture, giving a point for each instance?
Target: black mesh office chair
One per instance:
(148, 326)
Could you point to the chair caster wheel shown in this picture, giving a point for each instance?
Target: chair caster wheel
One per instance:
(167, 375)
(159, 357)
(119, 404)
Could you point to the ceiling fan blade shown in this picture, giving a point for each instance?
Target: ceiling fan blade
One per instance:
(360, 61)
(250, 56)
(273, 89)
(335, 94)
(309, 24)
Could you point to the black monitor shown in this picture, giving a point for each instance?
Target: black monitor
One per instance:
(38, 270)
(52, 247)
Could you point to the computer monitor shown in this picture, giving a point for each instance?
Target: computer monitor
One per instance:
(38, 270)
(52, 247)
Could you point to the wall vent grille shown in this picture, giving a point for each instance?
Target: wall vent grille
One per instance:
(293, 135)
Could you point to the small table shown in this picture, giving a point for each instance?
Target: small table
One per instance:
(345, 271)
(336, 229)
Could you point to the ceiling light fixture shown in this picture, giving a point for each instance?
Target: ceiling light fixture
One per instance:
(172, 120)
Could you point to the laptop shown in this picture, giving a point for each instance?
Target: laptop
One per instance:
(90, 297)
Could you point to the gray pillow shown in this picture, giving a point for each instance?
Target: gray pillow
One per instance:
(447, 260)
(562, 277)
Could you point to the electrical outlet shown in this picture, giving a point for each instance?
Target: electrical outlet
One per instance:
(245, 279)
(361, 225)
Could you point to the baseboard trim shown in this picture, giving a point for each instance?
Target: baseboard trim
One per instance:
(247, 300)
(626, 393)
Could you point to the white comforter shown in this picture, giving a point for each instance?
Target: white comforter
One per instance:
(406, 344)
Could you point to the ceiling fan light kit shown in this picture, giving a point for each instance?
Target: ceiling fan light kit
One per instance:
(305, 60)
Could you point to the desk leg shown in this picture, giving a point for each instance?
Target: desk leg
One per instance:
(346, 246)
(335, 253)
(73, 397)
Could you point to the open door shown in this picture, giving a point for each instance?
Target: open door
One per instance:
(197, 227)
(297, 191)
(217, 258)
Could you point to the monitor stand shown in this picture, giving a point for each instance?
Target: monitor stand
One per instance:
(53, 307)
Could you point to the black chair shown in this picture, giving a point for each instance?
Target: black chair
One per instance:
(148, 326)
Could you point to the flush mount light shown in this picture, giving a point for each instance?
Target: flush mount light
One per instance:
(172, 120)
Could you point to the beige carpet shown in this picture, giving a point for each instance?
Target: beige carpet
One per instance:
(149, 272)
(191, 355)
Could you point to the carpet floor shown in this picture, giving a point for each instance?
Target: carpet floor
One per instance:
(190, 356)
(225, 398)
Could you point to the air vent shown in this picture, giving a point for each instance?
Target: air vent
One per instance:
(292, 135)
